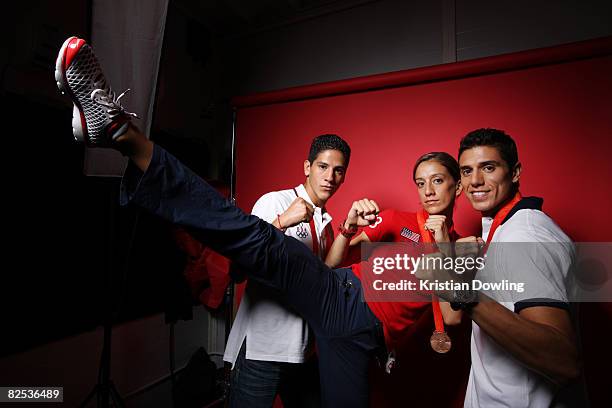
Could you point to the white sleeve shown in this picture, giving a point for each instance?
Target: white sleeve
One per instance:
(540, 267)
(540, 261)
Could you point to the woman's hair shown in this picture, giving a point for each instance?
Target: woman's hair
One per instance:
(444, 159)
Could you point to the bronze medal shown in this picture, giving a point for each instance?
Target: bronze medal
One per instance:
(440, 342)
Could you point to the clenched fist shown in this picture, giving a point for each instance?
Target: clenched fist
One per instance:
(436, 224)
(469, 247)
(363, 212)
(299, 211)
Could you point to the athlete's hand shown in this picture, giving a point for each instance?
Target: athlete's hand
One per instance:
(363, 212)
(437, 225)
(299, 211)
(469, 247)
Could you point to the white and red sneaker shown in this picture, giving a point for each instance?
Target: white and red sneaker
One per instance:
(97, 117)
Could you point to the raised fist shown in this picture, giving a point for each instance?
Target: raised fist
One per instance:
(299, 211)
(469, 247)
(363, 212)
(436, 224)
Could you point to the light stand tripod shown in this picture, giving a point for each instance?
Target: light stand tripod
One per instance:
(105, 389)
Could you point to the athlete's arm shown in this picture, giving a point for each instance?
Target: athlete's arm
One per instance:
(541, 337)
(362, 213)
(340, 247)
(451, 317)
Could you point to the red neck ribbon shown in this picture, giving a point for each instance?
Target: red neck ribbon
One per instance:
(427, 237)
(315, 239)
(502, 214)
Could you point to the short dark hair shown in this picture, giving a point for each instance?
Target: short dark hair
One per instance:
(329, 142)
(444, 159)
(494, 138)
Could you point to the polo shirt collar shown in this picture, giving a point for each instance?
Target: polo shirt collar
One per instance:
(301, 192)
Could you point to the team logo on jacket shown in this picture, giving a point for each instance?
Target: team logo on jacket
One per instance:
(413, 236)
(301, 231)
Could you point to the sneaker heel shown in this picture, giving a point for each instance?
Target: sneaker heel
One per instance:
(77, 125)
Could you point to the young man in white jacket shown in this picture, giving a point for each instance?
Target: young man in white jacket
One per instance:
(270, 346)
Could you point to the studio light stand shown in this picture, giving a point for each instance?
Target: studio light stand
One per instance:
(105, 391)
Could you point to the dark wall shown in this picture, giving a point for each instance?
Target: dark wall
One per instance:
(67, 241)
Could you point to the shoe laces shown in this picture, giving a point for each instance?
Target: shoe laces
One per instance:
(106, 98)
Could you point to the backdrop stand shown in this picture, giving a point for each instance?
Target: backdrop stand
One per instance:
(105, 390)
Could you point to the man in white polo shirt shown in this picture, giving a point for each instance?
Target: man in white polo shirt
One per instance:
(523, 350)
(270, 346)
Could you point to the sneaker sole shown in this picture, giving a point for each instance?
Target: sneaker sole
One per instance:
(79, 127)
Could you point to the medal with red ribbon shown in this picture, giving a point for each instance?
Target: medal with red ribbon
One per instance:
(440, 341)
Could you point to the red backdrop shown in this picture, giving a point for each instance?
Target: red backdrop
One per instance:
(555, 102)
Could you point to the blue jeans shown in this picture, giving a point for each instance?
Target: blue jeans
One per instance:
(255, 383)
(346, 331)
